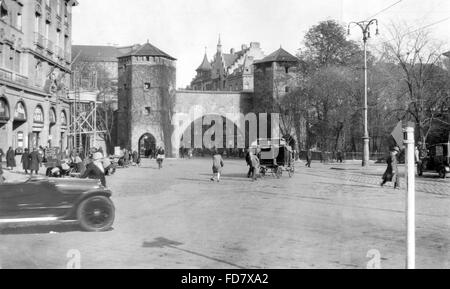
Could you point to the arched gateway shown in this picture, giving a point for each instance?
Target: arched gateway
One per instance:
(149, 102)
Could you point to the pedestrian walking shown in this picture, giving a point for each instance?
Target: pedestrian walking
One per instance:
(10, 159)
(25, 160)
(160, 156)
(392, 174)
(35, 161)
(254, 166)
(248, 160)
(2, 179)
(94, 170)
(340, 157)
(308, 158)
(217, 166)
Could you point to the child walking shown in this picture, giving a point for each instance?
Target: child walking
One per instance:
(217, 166)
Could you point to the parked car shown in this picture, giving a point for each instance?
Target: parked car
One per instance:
(438, 160)
(46, 199)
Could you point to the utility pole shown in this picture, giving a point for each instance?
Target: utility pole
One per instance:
(365, 27)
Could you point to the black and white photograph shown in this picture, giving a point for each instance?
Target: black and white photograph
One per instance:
(226, 135)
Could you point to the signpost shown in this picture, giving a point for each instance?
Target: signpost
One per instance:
(411, 198)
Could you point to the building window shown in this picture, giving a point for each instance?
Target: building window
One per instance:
(19, 21)
(10, 60)
(147, 85)
(148, 110)
(37, 24)
(3, 11)
(58, 7)
(287, 89)
(20, 143)
(17, 66)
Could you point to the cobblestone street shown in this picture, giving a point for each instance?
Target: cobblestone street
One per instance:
(329, 216)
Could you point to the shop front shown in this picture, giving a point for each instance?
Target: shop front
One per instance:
(19, 127)
(38, 127)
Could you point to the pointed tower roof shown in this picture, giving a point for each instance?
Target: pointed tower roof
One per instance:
(206, 65)
(148, 50)
(280, 55)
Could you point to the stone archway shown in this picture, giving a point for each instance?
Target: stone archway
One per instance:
(210, 131)
(147, 145)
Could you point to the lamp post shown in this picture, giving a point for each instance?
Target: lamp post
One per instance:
(365, 27)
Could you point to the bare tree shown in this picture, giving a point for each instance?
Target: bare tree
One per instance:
(418, 59)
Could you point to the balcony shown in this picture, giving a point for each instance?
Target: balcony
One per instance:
(13, 77)
(39, 40)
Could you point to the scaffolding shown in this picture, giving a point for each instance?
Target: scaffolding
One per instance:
(83, 130)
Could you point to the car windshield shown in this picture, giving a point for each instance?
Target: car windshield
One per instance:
(15, 178)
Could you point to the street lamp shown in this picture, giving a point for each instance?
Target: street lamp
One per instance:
(365, 27)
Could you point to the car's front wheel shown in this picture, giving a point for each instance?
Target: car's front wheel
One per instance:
(96, 214)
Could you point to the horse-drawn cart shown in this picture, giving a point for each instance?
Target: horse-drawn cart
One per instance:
(275, 157)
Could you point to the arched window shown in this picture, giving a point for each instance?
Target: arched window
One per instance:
(4, 111)
(3, 11)
(20, 113)
(52, 116)
(38, 116)
(63, 118)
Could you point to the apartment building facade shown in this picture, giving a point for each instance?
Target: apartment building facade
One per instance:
(35, 63)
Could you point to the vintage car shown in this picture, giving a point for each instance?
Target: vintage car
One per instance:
(41, 199)
(437, 160)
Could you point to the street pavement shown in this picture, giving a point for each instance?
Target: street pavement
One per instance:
(328, 216)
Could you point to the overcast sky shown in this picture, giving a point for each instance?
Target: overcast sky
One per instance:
(183, 28)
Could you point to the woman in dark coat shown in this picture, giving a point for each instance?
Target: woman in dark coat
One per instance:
(160, 156)
(35, 161)
(391, 174)
(11, 158)
(26, 161)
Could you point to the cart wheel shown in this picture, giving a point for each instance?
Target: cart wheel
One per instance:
(442, 174)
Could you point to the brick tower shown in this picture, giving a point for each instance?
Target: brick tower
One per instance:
(147, 82)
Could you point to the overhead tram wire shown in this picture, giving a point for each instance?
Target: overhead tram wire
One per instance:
(418, 29)
(384, 9)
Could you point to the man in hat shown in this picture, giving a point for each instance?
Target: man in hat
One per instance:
(391, 174)
(35, 161)
(95, 170)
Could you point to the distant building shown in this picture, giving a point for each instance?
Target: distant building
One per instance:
(228, 71)
(35, 58)
(147, 83)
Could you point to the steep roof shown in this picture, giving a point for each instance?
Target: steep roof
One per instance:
(205, 66)
(230, 59)
(280, 55)
(148, 50)
(95, 53)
